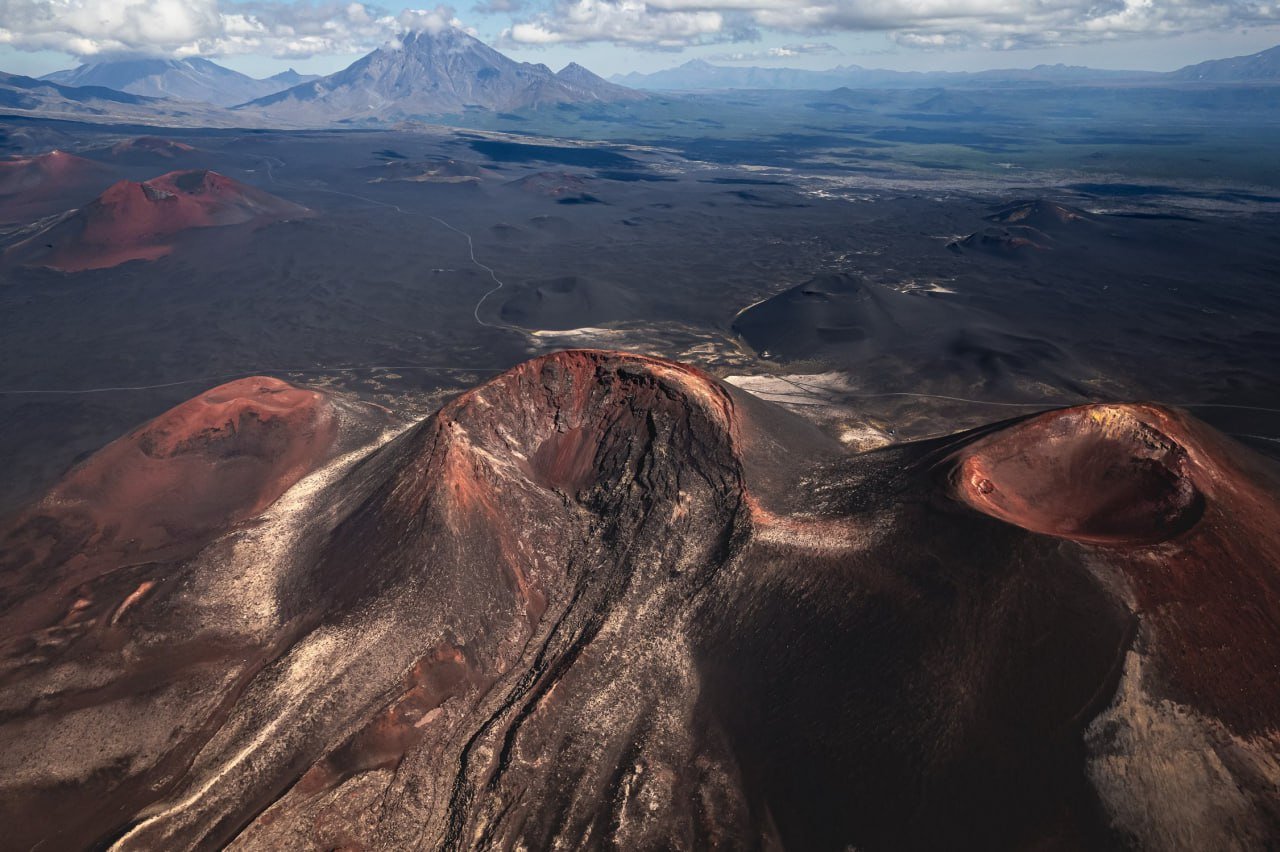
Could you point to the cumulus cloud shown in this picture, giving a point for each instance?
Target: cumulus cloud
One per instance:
(499, 7)
(428, 20)
(632, 22)
(993, 24)
(300, 28)
(784, 52)
(181, 28)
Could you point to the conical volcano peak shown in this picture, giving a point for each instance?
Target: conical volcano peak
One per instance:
(432, 72)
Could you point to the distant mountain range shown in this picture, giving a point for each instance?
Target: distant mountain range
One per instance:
(46, 99)
(1259, 66)
(422, 75)
(180, 79)
(426, 75)
(441, 73)
(698, 74)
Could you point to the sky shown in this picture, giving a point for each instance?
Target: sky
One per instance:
(262, 37)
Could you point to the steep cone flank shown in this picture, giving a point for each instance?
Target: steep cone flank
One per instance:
(605, 599)
(535, 452)
(1131, 477)
(141, 221)
(105, 560)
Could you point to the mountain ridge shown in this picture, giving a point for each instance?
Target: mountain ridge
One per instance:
(20, 95)
(701, 74)
(193, 79)
(1264, 65)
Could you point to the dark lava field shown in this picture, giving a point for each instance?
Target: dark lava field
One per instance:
(388, 286)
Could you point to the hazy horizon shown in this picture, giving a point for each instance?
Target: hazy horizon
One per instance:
(614, 38)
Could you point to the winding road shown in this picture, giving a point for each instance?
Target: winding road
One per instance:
(272, 162)
(471, 246)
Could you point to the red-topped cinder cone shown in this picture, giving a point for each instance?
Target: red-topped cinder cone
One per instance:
(142, 221)
(1189, 518)
(1100, 474)
(26, 174)
(211, 461)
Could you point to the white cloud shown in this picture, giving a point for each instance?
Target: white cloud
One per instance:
(499, 7)
(631, 22)
(994, 24)
(784, 52)
(182, 28)
(300, 28)
(428, 20)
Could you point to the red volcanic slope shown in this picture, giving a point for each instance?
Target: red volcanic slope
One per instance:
(1185, 514)
(33, 186)
(25, 174)
(214, 460)
(223, 456)
(166, 148)
(140, 221)
(238, 446)
(1097, 474)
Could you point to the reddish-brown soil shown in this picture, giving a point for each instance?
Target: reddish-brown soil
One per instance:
(224, 455)
(163, 488)
(1095, 474)
(1046, 215)
(1011, 240)
(1188, 516)
(141, 221)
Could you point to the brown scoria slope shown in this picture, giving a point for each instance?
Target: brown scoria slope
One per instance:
(89, 680)
(607, 601)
